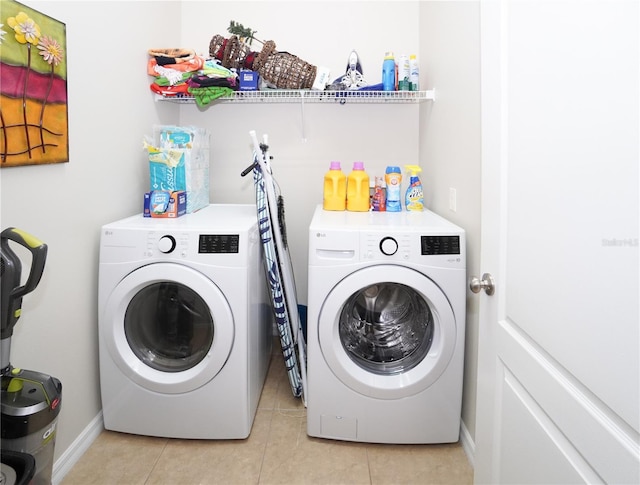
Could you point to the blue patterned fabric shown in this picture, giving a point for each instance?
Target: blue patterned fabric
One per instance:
(273, 260)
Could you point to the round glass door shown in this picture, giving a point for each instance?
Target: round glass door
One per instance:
(168, 328)
(386, 328)
(387, 331)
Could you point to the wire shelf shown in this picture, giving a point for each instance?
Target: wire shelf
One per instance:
(312, 96)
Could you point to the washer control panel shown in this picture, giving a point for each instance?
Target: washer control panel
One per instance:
(410, 246)
(439, 245)
(386, 247)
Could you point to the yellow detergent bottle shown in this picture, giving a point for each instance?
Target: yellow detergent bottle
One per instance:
(335, 189)
(358, 189)
(414, 197)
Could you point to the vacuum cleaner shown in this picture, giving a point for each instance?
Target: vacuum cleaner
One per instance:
(31, 400)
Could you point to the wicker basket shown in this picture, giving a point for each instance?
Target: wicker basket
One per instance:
(284, 70)
(216, 47)
(230, 52)
(281, 69)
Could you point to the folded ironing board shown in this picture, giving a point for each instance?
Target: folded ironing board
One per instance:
(278, 267)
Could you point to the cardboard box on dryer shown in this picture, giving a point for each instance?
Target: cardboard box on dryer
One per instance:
(165, 204)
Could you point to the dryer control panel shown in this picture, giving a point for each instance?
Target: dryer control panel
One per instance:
(219, 243)
(183, 244)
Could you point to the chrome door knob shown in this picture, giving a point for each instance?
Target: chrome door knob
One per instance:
(486, 283)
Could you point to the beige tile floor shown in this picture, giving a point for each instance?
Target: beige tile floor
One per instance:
(278, 451)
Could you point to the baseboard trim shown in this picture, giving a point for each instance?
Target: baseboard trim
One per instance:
(468, 445)
(80, 445)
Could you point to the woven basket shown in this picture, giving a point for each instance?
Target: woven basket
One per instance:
(230, 52)
(216, 47)
(284, 70)
(281, 69)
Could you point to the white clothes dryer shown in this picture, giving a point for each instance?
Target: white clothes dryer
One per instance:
(386, 327)
(185, 325)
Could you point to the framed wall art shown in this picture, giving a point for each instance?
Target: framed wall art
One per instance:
(34, 126)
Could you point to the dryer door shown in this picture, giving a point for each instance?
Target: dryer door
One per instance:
(168, 327)
(387, 331)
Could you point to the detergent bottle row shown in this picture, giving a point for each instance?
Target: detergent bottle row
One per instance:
(342, 192)
(352, 193)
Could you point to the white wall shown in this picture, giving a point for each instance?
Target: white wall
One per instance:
(450, 143)
(111, 108)
(64, 205)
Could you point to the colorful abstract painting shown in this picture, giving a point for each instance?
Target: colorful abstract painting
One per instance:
(34, 125)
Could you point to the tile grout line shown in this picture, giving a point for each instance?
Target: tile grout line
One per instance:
(266, 444)
(366, 450)
(155, 463)
(264, 450)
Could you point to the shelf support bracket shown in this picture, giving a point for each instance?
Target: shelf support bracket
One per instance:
(302, 119)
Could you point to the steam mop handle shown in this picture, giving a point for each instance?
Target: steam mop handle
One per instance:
(38, 254)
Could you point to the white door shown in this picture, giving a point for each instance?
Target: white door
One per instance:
(559, 345)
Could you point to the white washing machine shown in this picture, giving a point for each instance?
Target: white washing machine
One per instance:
(386, 327)
(185, 325)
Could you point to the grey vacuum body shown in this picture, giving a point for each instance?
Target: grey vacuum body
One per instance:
(31, 400)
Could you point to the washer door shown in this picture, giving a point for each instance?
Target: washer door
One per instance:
(168, 328)
(387, 331)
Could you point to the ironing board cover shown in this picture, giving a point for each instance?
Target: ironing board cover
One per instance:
(279, 271)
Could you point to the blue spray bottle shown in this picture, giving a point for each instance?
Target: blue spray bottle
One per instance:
(414, 197)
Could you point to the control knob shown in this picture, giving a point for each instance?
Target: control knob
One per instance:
(166, 244)
(389, 246)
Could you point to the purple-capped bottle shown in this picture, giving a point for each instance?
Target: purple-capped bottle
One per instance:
(358, 189)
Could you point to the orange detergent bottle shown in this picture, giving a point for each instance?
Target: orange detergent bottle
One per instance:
(334, 197)
(358, 189)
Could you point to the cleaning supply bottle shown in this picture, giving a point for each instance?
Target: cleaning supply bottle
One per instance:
(389, 72)
(393, 178)
(334, 197)
(414, 197)
(378, 202)
(414, 73)
(403, 74)
(358, 189)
